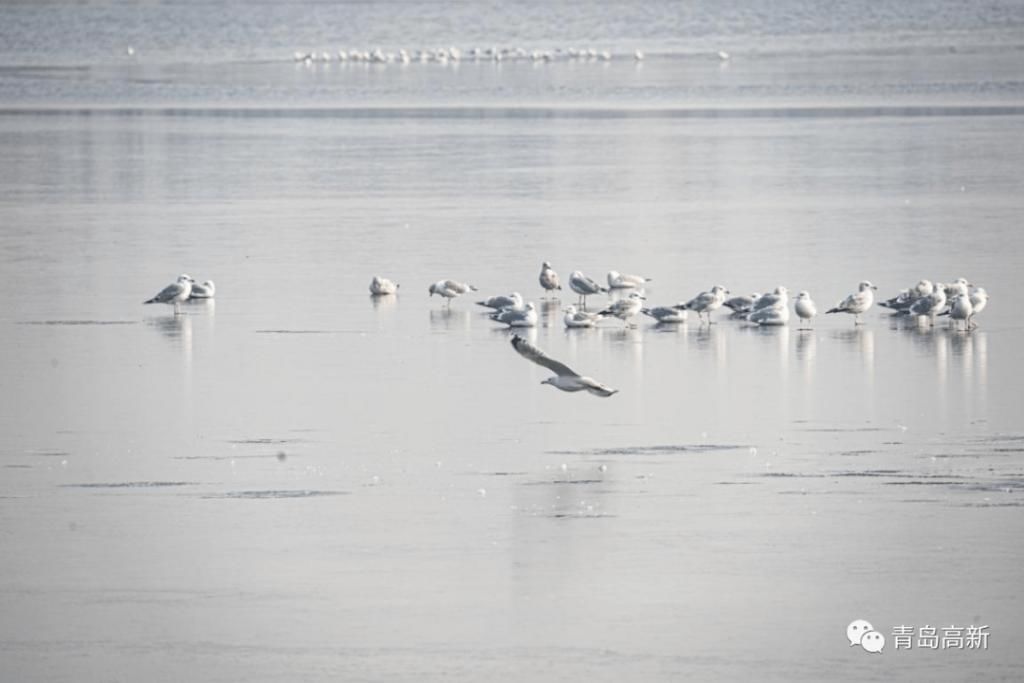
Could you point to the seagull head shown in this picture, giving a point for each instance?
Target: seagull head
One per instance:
(803, 295)
(185, 277)
(571, 310)
(865, 286)
(546, 265)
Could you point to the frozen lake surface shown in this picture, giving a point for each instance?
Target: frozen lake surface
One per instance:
(296, 481)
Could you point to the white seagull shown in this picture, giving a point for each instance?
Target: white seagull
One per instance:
(564, 379)
(770, 315)
(526, 317)
(381, 286)
(666, 314)
(960, 308)
(617, 280)
(804, 307)
(450, 289)
(979, 300)
(856, 303)
(930, 306)
(584, 286)
(549, 278)
(513, 300)
(174, 293)
(706, 302)
(624, 309)
(203, 291)
(575, 319)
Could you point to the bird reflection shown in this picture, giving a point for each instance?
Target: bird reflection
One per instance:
(550, 309)
(449, 319)
(383, 301)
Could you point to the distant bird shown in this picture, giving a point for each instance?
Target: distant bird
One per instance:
(564, 379)
(770, 316)
(666, 314)
(584, 286)
(931, 305)
(525, 317)
(902, 302)
(617, 280)
(777, 299)
(857, 303)
(174, 293)
(741, 305)
(513, 300)
(706, 302)
(203, 291)
(960, 286)
(638, 56)
(549, 278)
(804, 307)
(450, 289)
(960, 308)
(575, 319)
(979, 300)
(625, 309)
(381, 286)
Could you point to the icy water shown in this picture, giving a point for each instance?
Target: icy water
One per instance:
(298, 482)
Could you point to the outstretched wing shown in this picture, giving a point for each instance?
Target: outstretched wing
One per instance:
(531, 352)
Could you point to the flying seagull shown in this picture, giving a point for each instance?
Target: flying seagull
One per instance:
(564, 379)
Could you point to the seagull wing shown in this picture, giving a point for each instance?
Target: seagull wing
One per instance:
(531, 352)
(169, 292)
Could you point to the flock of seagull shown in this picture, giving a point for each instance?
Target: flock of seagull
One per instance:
(926, 300)
(452, 55)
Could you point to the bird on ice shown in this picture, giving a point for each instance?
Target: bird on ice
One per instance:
(174, 293)
(576, 319)
(666, 314)
(513, 300)
(617, 280)
(203, 291)
(804, 307)
(979, 300)
(381, 286)
(857, 303)
(584, 286)
(960, 308)
(549, 278)
(564, 379)
(706, 302)
(929, 306)
(902, 302)
(525, 317)
(450, 289)
(741, 305)
(624, 309)
(770, 316)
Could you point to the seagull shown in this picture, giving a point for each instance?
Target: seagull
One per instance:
(203, 291)
(576, 319)
(666, 314)
(961, 286)
(804, 307)
(979, 300)
(706, 302)
(617, 280)
(450, 289)
(624, 309)
(174, 293)
(901, 302)
(770, 315)
(777, 299)
(929, 306)
(564, 379)
(856, 303)
(960, 308)
(380, 286)
(549, 278)
(741, 305)
(526, 317)
(513, 300)
(584, 286)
